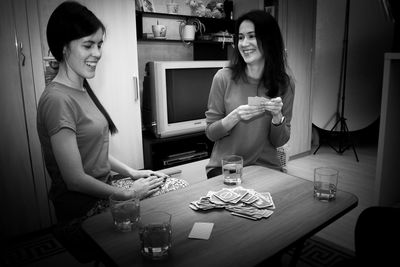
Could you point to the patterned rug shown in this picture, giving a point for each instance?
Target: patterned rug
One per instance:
(317, 252)
(31, 249)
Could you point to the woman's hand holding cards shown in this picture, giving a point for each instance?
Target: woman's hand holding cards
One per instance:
(273, 105)
(246, 112)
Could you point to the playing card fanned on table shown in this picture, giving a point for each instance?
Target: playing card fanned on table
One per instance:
(246, 203)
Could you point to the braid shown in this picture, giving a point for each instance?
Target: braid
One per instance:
(111, 126)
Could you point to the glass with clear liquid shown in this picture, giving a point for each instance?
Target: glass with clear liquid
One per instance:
(325, 183)
(232, 169)
(155, 234)
(125, 212)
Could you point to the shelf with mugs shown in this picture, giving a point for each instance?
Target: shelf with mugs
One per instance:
(142, 14)
(204, 33)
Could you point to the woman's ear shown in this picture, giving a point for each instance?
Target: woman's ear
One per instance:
(65, 52)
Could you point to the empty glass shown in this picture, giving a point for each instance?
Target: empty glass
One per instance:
(325, 183)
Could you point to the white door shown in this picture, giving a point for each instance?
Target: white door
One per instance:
(297, 21)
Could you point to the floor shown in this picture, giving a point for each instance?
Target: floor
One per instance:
(355, 177)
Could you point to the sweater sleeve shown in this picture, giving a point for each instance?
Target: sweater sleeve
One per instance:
(216, 108)
(280, 134)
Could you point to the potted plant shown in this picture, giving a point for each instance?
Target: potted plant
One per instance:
(189, 27)
(172, 7)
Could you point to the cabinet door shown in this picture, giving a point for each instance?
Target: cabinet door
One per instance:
(23, 186)
(297, 21)
(116, 81)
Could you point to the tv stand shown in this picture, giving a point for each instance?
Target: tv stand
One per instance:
(161, 153)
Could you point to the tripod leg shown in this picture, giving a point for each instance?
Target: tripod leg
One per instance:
(320, 143)
(355, 153)
(343, 136)
(352, 144)
(317, 148)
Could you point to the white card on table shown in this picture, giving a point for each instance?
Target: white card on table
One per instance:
(201, 230)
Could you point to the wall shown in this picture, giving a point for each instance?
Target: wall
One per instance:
(242, 6)
(370, 35)
(387, 183)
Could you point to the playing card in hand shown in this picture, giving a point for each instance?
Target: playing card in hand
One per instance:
(256, 100)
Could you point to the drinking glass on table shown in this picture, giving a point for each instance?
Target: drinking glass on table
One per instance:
(125, 212)
(232, 168)
(325, 183)
(155, 234)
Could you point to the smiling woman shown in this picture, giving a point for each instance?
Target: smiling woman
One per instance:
(74, 128)
(258, 69)
(73, 125)
(82, 55)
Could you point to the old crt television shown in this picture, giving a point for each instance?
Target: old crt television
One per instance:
(175, 96)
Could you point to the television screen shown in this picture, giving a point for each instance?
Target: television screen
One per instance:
(175, 95)
(187, 93)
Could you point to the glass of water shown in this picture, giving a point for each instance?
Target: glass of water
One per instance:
(325, 183)
(155, 233)
(125, 212)
(232, 168)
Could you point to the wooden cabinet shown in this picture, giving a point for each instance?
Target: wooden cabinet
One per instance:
(23, 182)
(161, 153)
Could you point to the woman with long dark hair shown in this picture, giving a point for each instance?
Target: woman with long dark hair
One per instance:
(258, 70)
(74, 127)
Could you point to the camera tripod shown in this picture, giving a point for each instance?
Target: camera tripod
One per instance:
(343, 134)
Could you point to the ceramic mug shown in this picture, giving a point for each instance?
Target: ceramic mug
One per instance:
(159, 31)
(188, 32)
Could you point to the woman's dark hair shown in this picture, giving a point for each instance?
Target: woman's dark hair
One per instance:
(270, 42)
(71, 21)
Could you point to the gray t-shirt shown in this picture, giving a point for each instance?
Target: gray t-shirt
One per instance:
(63, 107)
